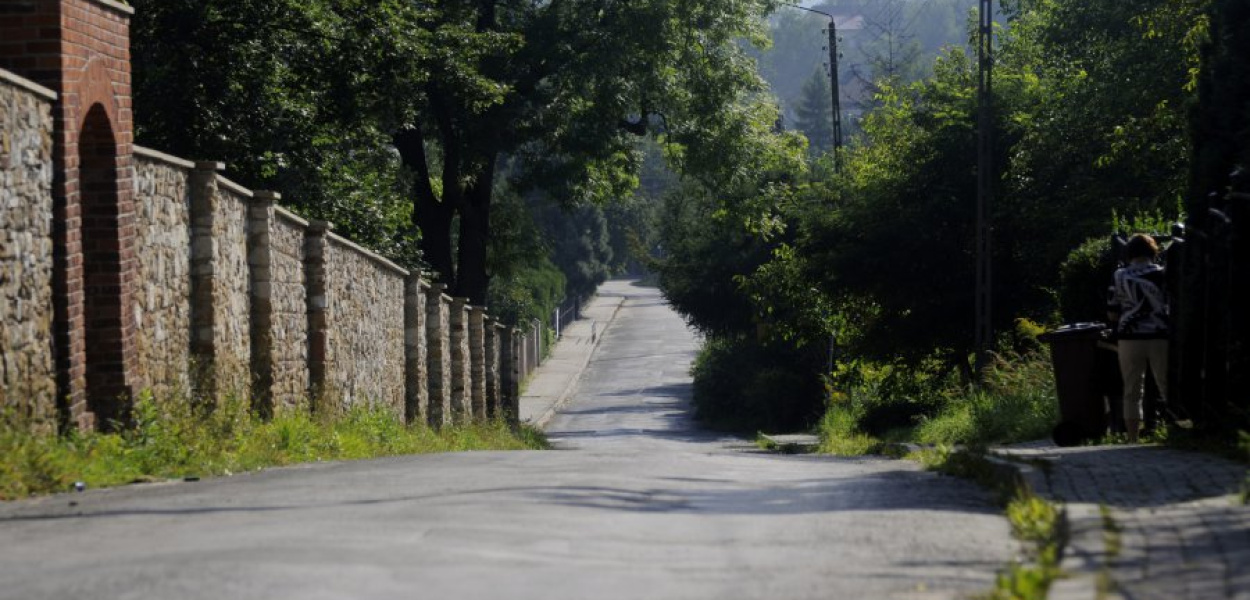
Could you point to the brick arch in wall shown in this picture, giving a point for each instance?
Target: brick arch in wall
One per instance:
(80, 49)
(103, 310)
(104, 260)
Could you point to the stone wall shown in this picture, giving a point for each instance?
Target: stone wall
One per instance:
(231, 278)
(229, 293)
(27, 370)
(365, 322)
(162, 298)
(279, 306)
(290, 310)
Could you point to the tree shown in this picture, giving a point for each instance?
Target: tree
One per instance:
(575, 82)
(1221, 123)
(815, 112)
(891, 46)
(1082, 131)
(287, 94)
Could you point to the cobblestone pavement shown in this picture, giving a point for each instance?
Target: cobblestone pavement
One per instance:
(1146, 522)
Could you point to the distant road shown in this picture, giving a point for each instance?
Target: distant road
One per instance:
(636, 503)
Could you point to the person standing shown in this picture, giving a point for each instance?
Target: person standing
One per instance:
(1142, 329)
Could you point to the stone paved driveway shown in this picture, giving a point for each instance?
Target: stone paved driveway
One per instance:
(1156, 523)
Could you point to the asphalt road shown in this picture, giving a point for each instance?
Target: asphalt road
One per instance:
(636, 503)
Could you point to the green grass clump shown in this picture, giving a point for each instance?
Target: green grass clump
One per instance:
(1038, 523)
(1015, 403)
(840, 434)
(176, 437)
(1034, 520)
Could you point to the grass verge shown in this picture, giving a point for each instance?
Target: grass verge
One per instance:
(177, 438)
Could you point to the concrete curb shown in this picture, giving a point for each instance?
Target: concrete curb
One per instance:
(1082, 553)
(1080, 526)
(567, 394)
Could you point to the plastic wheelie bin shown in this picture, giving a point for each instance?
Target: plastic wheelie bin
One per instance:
(1079, 384)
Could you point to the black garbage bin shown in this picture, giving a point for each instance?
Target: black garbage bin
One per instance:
(1079, 382)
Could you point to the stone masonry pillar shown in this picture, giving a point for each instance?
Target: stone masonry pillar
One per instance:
(510, 382)
(438, 354)
(477, 361)
(493, 330)
(203, 191)
(259, 259)
(416, 355)
(320, 357)
(461, 407)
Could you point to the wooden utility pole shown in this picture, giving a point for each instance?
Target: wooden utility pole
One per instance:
(833, 80)
(984, 338)
(833, 85)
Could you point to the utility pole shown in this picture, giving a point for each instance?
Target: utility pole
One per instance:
(833, 85)
(984, 338)
(833, 81)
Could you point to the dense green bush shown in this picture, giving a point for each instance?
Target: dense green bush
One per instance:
(740, 385)
(1083, 280)
(1086, 274)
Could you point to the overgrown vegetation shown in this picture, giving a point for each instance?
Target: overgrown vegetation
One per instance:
(869, 268)
(176, 438)
(1015, 402)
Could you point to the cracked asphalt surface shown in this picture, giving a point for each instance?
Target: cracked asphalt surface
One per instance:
(634, 502)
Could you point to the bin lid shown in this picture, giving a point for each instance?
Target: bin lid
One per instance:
(1074, 330)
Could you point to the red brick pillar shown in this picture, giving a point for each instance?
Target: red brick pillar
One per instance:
(81, 50)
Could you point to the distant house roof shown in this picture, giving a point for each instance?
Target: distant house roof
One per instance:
(849, 22)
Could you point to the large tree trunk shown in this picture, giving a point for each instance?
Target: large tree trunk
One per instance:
(473, 281)
(434, 220)
(430, 214)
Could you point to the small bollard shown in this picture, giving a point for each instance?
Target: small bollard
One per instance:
(79, 486)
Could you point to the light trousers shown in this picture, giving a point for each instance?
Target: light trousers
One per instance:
(1135, 356)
